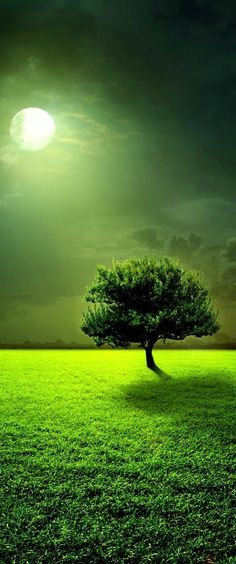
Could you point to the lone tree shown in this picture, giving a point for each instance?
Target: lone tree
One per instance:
(142, 301)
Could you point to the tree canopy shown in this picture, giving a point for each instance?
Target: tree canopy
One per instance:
(142, 300)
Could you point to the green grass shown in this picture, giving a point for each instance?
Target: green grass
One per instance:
(104, 461)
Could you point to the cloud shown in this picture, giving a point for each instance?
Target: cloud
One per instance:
(229, 252)
(106, 248)
(186, 11)
(9, 198)
(225, 287)
(216, 16)
(9, 155)
(148, 237)
(176, 245)
(93, 136)
(199, 213)
(183, 247)
(50, 34)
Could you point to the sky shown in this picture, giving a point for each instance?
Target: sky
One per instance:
(143, 95)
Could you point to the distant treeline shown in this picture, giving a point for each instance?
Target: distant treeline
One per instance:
(65, 346)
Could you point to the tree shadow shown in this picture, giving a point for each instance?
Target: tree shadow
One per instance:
(163, 375)
(194, 399)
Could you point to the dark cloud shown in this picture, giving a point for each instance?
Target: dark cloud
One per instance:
(183, 247)
(176, 245)
(200, 213)
(195, 12)
(52, 34)
(148, 237)
(207, 13)
(225, 287)
(187, 11)
(230, 252)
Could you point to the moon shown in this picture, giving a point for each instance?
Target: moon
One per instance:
(32, 129)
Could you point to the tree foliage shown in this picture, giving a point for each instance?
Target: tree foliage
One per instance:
(144, 300)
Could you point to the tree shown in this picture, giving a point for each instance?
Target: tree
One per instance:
(143, 300)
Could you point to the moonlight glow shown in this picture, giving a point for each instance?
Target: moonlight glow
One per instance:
(32, 129)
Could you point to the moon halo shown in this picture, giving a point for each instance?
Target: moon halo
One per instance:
(32, 129)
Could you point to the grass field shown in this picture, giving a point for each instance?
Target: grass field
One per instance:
(102, 460)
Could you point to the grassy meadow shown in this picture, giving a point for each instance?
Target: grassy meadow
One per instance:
(104, 461)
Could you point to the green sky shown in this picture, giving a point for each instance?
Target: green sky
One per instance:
(143, 161)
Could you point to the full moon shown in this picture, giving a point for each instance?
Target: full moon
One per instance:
(32, 129)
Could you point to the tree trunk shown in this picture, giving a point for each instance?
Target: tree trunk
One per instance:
(149, 358)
